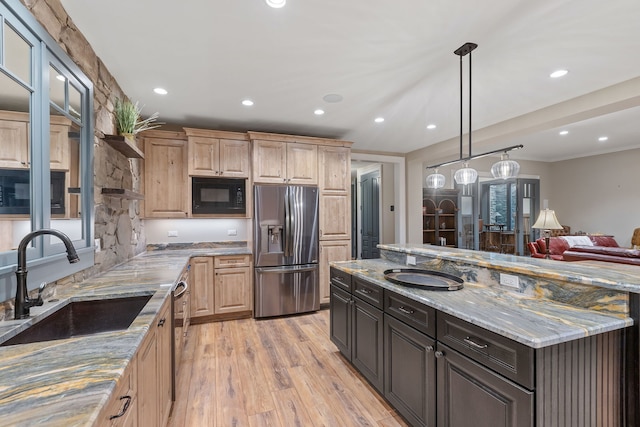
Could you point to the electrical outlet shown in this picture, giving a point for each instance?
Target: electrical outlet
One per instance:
(172, 233)
(97, 244)
(509, 280)
(411, 260)
(232, 232)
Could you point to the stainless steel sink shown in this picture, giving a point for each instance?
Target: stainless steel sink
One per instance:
(83, 318)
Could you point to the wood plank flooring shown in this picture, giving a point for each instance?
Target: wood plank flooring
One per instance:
(274, 372)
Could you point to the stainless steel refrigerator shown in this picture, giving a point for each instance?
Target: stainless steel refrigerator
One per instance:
(285, 248)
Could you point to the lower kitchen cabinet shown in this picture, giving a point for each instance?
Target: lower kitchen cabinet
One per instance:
(122, 408)
(489, 399)
(154, 371)
(331, 250)
(357, 329)
(410, 372)
(221, 286)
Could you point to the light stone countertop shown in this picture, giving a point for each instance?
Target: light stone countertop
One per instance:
(67, 382)
(530, 320)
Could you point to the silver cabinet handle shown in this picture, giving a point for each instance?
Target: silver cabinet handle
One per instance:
(406, 311)
(429, 348)
(475, 344)
(363, 291)
(439, 354)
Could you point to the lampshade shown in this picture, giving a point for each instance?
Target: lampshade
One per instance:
(435, 180)
(466, 175)
(547, 221)
(505, 168)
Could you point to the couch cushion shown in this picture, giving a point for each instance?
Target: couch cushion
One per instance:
(604, 241)
(605, 250)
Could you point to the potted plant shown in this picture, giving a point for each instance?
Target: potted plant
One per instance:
(128, 119)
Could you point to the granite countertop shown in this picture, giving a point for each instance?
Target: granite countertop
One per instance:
(67, 382)
(532, 321)
(619, 277)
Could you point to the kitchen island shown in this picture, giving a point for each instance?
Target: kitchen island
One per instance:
(548, 350)
(70, 382)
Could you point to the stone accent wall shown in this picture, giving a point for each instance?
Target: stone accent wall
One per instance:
(117, 222)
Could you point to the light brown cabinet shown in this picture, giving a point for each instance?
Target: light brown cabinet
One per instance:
(280, 162)
(331, 250)
(59, 142)
(122, 408)
(201, 281)
(217, 153)
(166, 185)
(221, 286)
(154, 371)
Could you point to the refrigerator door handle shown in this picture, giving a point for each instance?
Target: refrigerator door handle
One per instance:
(287, 224)
(285, 270)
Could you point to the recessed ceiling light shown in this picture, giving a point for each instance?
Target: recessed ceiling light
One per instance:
(379, 119)
(558, 73)
(431, 126)
(277, 4)
(332, 98)
(564, 132)
(603, 138)
(160, 91)
(247, 103)
(318, 112)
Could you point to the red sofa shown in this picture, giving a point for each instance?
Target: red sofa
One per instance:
(604, 248)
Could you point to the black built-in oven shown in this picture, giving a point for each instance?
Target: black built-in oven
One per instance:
(218, 195)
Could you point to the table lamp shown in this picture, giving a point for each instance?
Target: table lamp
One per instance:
(547, 221)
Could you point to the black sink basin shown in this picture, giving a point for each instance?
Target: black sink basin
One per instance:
(83, 318)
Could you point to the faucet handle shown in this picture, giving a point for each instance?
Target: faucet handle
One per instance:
(39, 300)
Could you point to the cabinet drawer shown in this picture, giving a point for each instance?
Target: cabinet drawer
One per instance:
(227, 261)
(411, 312)
(501, 354)
(367, 291)
(121, 404)
(341, 279)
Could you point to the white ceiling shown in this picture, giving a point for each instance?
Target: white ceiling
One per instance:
(386, 58)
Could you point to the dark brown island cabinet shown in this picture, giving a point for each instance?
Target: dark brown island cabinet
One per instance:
(438, 370)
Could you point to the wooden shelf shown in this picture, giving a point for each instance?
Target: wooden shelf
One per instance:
(122, 193)
(125, 145)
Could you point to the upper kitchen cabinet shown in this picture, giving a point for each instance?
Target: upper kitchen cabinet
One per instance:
(334, 164)
(286, 159)
(166, 183)
(218, 153)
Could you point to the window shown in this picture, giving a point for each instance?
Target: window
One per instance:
(46, 150)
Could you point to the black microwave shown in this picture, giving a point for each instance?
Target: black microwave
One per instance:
(15, 192)
(218, 196)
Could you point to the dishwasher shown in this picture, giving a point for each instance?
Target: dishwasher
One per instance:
(181, 321)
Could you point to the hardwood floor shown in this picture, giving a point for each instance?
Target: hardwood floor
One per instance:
(274, 372)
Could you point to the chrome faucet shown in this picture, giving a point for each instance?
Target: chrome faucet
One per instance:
(23, 303)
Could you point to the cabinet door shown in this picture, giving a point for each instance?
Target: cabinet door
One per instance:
(410, 372)
(335, 217)
(340, 320)
(165, 175)
(339, 250)
(302, 163)
(122, 408)
(234, 158)
(14, 150)
(204, 158)
(164, 363)
(148, 380)
(59, 142)
(470, 394)
(334, 169)
(233, 291)
(269, 161)
(201, 280)
(367, 338)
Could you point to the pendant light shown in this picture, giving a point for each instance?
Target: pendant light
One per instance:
(505, 168)
(435, 180)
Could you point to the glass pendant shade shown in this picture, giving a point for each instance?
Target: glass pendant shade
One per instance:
(505, 168)
(435, 180)
(466, 175)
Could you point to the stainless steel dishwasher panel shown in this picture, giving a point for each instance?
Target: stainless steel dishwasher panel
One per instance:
(286, 290)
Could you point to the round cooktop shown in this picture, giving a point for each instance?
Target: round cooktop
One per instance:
(424, 279)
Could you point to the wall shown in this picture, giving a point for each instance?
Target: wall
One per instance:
(117, 222)
(598, 194)
(387, 200)
(197, 230)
